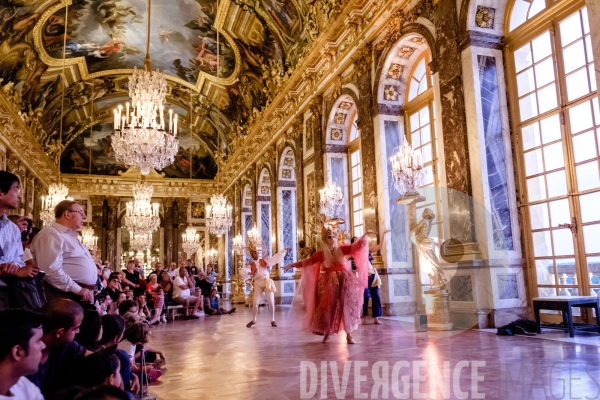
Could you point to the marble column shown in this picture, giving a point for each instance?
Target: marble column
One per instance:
(300, 219)
(593, 7)
(180, 225)
(111, 236)
(454, 124)
(319, 140)
(96, 202)
(168, 230)
(367, 137)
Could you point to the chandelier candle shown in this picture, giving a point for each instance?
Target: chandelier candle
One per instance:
(57, 192)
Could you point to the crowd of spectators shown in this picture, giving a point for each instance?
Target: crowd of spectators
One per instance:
(72, 328)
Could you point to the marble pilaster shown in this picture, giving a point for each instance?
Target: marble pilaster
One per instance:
(96, 202)
(319, 139)
(593, 8)
(168, 229)
(111, 234)
(458, 175)
(367, 138)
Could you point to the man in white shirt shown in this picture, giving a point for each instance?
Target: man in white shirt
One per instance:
(22, 345)
(69, 267)
(172, 271)
(11, 248)
(182, 294)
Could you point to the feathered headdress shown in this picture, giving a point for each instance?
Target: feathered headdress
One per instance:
(254, 241)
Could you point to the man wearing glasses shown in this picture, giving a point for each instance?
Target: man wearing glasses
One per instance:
(69, 267)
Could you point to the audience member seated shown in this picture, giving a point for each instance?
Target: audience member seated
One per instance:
(63, 318)
(113, 328)
(212, 307)
(182, 294)
(113, 287)
(156, 298)
(167, 284)
(173, 271)
(158, 270)
(113, 308)
(102, 301)
(21, 349)
(143, 310)
(131, 276)
(129, 293)
(137, 335)
(101, 392)
(207, 281)
(90, 330)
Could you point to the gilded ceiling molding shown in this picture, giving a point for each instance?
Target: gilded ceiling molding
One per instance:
(121, 186)
(18, 139)
(330, 47)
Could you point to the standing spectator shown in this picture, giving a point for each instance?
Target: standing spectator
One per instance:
(63, 318)
(69, 267)
(130, 275)
(11, 249)
(24, 288)
(21, 349)
(182, 294)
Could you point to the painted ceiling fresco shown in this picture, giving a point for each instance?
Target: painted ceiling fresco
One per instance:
(111, 34)
(260, 42)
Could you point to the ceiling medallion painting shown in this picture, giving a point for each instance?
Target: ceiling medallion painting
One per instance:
(111, 35)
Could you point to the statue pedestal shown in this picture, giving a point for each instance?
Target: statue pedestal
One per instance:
(437, 306)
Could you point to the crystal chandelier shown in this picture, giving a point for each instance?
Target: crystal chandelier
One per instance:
(237, 244)
(141, 139)
(140, 242)
(88, 239)
(407, 170)
(191, 241)
(218, 215)
(331, 199)
(141, 216)
(57, 192)
(212, 255)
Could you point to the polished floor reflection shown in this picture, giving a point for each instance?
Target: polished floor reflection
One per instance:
(219, 358)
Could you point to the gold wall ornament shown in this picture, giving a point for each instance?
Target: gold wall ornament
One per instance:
(395, 23)
(363, 59)
(406, 52)
(484, 18)
(395, 71)
(390, 93)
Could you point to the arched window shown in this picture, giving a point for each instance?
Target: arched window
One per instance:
(287, 205)
(356, 192)
(246, 210)
(264, 208)
(523, 10)
(556, 119)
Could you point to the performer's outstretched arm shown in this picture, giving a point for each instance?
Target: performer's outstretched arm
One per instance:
(277, 258)
(315, 258)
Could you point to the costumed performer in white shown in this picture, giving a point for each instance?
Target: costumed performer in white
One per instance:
(260, 270)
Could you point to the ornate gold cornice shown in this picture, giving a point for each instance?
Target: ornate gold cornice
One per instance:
(18, 139)
(360, 21)
(121, 186)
